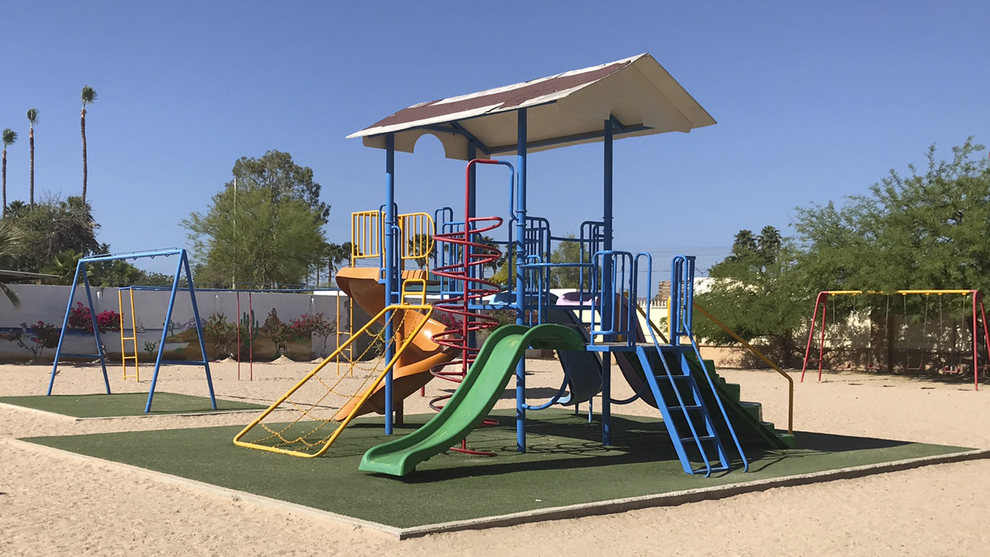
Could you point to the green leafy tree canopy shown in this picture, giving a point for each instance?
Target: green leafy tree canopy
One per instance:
(266, 230)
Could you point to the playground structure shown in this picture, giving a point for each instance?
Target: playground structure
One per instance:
(932, 342)
(182, 265)
(590, 327)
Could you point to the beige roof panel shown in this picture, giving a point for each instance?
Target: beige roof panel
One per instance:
(562, 110)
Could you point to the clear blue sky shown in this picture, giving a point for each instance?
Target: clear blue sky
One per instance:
(814, 101)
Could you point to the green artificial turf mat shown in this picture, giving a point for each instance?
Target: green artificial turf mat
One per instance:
(565, 464)
(125, 404)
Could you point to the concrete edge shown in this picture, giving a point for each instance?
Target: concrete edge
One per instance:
(6, 405)
(224, 492)
(688, 496)
(612, 506)
(98, 418)
(179, 415)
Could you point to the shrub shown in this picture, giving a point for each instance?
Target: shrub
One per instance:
(308, 325)
(217, 327)
(106, 321)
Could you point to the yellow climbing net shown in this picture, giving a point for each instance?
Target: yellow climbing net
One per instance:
(300, 422)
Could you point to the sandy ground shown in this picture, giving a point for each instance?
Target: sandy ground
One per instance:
(53, 504)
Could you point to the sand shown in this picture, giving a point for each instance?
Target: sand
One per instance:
(60, 504)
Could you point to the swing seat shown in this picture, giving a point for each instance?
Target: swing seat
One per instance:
(950, 371)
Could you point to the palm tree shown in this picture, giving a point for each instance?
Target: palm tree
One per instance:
(744, 243)
(9, 137)
(88, 97)
(10, 241)
(420, 245)
(32, 115)
(336, 254)
(769, 242)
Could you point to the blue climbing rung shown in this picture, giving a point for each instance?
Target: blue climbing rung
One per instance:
(689, 422)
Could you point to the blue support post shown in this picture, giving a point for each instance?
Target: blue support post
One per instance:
(96, 329)
(184, 261)
(609, 286)
(520, 279)
(65, 328)
(390, 269)
(161, 345)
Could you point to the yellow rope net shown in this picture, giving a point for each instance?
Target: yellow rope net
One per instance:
(302, 421)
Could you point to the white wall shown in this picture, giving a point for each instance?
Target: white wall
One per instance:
(48, 304)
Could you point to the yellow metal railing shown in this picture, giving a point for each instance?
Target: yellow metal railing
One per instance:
(758, 354)
(415, 231)
(421, 293)
(366, 235)
(416, 243)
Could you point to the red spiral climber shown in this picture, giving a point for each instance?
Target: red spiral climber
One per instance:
(472, 254)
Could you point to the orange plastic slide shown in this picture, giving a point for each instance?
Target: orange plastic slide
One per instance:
(412, 371)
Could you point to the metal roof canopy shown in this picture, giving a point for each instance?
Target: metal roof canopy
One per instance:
(23, 275)
(636, 94)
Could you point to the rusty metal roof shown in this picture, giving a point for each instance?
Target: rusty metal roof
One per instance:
(565, 109)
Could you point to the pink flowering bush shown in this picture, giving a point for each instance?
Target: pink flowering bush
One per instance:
(308, 325)
(302, 330)
(106, 321)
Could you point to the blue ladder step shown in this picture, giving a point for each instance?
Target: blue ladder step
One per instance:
(719, 468)
(699, 438)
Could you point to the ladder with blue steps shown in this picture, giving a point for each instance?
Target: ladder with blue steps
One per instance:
(696, 431)
(703, 414)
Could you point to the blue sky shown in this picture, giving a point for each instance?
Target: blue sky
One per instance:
(814, 101)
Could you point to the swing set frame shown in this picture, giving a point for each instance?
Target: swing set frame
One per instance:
(821, 301)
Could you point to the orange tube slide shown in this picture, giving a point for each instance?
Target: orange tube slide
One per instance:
(412, 371)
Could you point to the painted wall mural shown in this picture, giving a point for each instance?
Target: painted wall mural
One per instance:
(258, 326)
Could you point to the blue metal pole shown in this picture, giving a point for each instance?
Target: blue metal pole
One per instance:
(472, 180)
(96, 329)
(65, 327)
(520, 279)
(390, 269)
(607, 303)
(199, 328)
(161, 344)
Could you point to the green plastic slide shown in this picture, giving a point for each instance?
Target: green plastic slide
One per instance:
(472, 401)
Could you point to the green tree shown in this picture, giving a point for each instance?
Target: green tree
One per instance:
(32, 116)
(330, 258)
(11, 242)
(569, 277)
(114, 273)
(925, 230)
(335, 255)
(279, 235)
(63, 265)
(757, 292)
(9, 137)
(276, 173)
(53, 226)
(159, 279)
(17, 208)
(88, 97)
